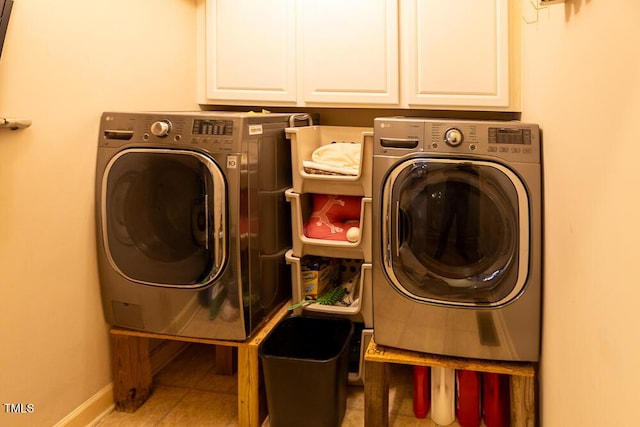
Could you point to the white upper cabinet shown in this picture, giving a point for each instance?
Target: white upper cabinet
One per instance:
(348, 51)
(250, 51)
(444, 54)
(457, 52)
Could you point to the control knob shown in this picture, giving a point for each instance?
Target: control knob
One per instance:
(453, 137)
(161, 128)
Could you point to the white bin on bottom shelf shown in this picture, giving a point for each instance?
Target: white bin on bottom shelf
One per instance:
(361, 299)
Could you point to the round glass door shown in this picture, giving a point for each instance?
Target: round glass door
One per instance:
(163, 217)
(455, 232)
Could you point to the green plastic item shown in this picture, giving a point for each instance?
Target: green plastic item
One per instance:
(330, 297)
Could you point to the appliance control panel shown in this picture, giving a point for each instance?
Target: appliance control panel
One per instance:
(509, 140)
(212, 127)
(509, 135)
(213, 134)
(512, 141)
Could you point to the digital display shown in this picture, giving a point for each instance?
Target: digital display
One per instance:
(212, 127)
(509, 136)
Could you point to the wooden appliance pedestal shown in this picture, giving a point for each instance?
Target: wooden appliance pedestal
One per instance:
(132, 382)
(376, 385)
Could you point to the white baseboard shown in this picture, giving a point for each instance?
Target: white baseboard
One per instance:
(91, 411)
(102, 404)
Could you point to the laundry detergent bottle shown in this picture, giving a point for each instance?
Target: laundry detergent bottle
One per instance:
(496, 400)
(468, 403)
(443, 384)
(421, 388)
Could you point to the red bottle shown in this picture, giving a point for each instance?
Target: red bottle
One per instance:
(496, 400)
(421, 388)
(468, 403)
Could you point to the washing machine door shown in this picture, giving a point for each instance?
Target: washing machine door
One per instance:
(163, 215)
(455, 232)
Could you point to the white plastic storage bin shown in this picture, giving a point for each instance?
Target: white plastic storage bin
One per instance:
(361, 299)
(301, 209)
(306, 140)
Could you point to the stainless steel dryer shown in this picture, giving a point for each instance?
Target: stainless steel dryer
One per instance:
(192, 221)
(457, 249)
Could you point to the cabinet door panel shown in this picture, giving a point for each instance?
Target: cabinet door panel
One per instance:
(458, 52)
(349, 51)
(250, 50)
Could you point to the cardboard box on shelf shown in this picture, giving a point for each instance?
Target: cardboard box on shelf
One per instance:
(318, 275)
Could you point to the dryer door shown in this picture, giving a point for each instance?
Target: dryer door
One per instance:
(164, 219)
(455, 232)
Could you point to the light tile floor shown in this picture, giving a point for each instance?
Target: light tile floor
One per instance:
(188, 393)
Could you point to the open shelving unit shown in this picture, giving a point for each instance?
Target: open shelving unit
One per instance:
(304, 141)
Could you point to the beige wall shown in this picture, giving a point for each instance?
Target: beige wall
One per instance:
(581, 82)
(63, 64)
(66, 62)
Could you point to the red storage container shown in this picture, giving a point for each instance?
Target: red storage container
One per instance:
(496, 400)
(421, 389)
(468, 403)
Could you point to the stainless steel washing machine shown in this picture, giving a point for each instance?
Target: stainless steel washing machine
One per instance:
(457, 242)
(192, 221)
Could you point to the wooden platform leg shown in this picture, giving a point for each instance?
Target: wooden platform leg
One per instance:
(523, 401)
(248, 386)
(225, 360)
(376, 394)
(131, 371)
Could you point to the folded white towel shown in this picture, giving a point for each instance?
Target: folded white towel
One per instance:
(340, 157)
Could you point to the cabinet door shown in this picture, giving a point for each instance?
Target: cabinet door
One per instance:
(250, 50)
(349, 51)
(457, 52)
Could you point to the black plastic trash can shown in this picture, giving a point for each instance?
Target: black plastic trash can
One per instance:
(305, 363)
